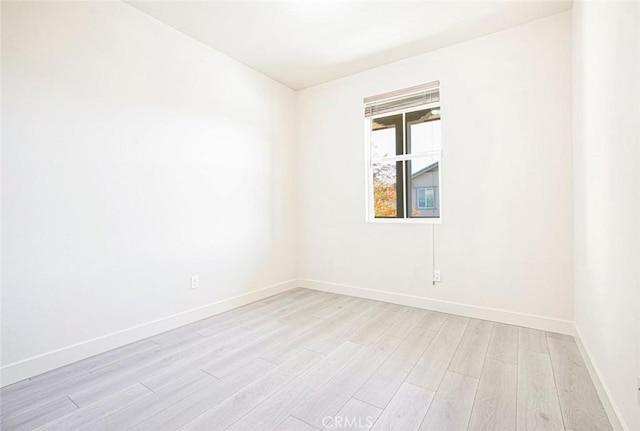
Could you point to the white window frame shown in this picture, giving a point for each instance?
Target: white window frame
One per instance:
(369, 204)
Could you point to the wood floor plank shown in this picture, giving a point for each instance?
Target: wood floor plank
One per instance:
(257, 317)
(532, 339)
(401, 327)
(220, 368)
(227, 333)
(379, 323)
(458, 319)
(215, 323)
(301, 314)
(406, 410)
(20, 385)
(144, 371)
(41, 415)
(218, 353)
(562, 337)
(383, 384)
(330, 341)
(294, 424)
(433, 320)
(337, 305)
(287, 348)
(538, 407)
(495, 405)
(291, 295)
(197, 403)
(433, 364)
(153, 404)
(236, 316)
(503, 344)
(452, 404)
(354, 415)
(233, 408)
(170, 338)
(579, 401)
(305, 308)
(329, 399)
(283, 349)
(88, 415)
(275, 305)
(469, 357)
(282, 404)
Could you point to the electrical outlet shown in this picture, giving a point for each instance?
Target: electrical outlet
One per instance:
(437, 276)
(195, 282)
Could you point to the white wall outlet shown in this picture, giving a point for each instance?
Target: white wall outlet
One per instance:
(195, 282)
(437, 276)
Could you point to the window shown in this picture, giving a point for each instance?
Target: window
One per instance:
(404, 154)
(425, 198)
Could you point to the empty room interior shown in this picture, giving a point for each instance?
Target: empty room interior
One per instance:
(320, 215)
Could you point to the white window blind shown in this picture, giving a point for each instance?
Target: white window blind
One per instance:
(403, 99)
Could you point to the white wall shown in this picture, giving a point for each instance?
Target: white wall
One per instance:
(506, 238)
(607, 194)
(133, 158)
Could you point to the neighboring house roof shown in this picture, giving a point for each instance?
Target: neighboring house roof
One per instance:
(425, 170)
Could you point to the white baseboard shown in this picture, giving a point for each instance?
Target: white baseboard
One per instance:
(615, 417)
(484, 313)
(39, 364)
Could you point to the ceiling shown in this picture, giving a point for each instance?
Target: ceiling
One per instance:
(304, 43)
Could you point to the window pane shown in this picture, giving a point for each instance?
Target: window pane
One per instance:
(383, 143)
(387, 191)
(422, 200)
(430, 198)
(423, 131)
(386, 136)
(423, 185)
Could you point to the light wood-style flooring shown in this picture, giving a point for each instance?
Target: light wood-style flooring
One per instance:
(307, 360)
